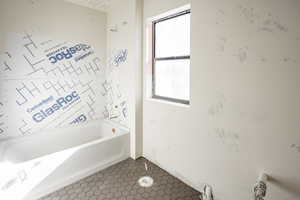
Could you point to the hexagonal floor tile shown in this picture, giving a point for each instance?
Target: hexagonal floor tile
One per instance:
(120, 182)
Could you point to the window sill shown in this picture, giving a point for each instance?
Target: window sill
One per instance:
(157, 100)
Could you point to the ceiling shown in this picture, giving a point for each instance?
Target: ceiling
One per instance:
(101, 5)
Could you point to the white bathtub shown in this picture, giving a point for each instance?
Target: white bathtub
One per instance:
(44, 162)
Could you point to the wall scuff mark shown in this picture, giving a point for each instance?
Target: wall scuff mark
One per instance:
(220, 15)
(264, 21)
(222, 43)
(242, 54)
(229, 138)
(218, 107)
(296, 147)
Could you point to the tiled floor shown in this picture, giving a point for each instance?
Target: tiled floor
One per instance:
(119, 182)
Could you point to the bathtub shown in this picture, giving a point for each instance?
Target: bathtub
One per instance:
(39, 164)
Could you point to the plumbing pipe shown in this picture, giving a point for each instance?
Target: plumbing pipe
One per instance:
(260, 188)
(263, 177)
(207, 193)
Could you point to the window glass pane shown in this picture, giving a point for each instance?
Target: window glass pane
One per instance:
(173, 37)
(172, 79)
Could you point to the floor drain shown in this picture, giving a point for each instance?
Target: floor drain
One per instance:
(146, 181)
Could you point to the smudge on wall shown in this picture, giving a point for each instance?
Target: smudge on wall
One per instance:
(242, 54)
(217, 107)
(263, 21)
(296, 147)
(229, 138)
(257, 21)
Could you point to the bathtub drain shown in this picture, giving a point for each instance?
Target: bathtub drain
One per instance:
(146, 181)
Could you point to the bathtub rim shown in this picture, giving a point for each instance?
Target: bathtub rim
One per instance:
(4, 145)
(73, 127)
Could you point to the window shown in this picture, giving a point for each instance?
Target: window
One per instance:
(171, 58)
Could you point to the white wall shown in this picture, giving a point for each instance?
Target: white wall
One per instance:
(126, 16)
(55, 18)
(244, 115)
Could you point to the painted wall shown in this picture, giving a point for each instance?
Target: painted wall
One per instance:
(54, 68)
(244, 114)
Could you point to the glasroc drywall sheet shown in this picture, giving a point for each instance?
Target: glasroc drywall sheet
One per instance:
(50, 84)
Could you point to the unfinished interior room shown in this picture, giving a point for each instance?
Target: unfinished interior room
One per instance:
(149, 100)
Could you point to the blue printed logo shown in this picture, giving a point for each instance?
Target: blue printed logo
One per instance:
(66, 53)
(60, 103)
(80, 118)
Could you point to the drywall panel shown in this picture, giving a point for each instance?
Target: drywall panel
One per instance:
(54, 68)
(123, 32)
(244, 114)
(55, 73)
(53, 57)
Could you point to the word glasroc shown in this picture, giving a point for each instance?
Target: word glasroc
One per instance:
(66, 53)
(59, 103)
